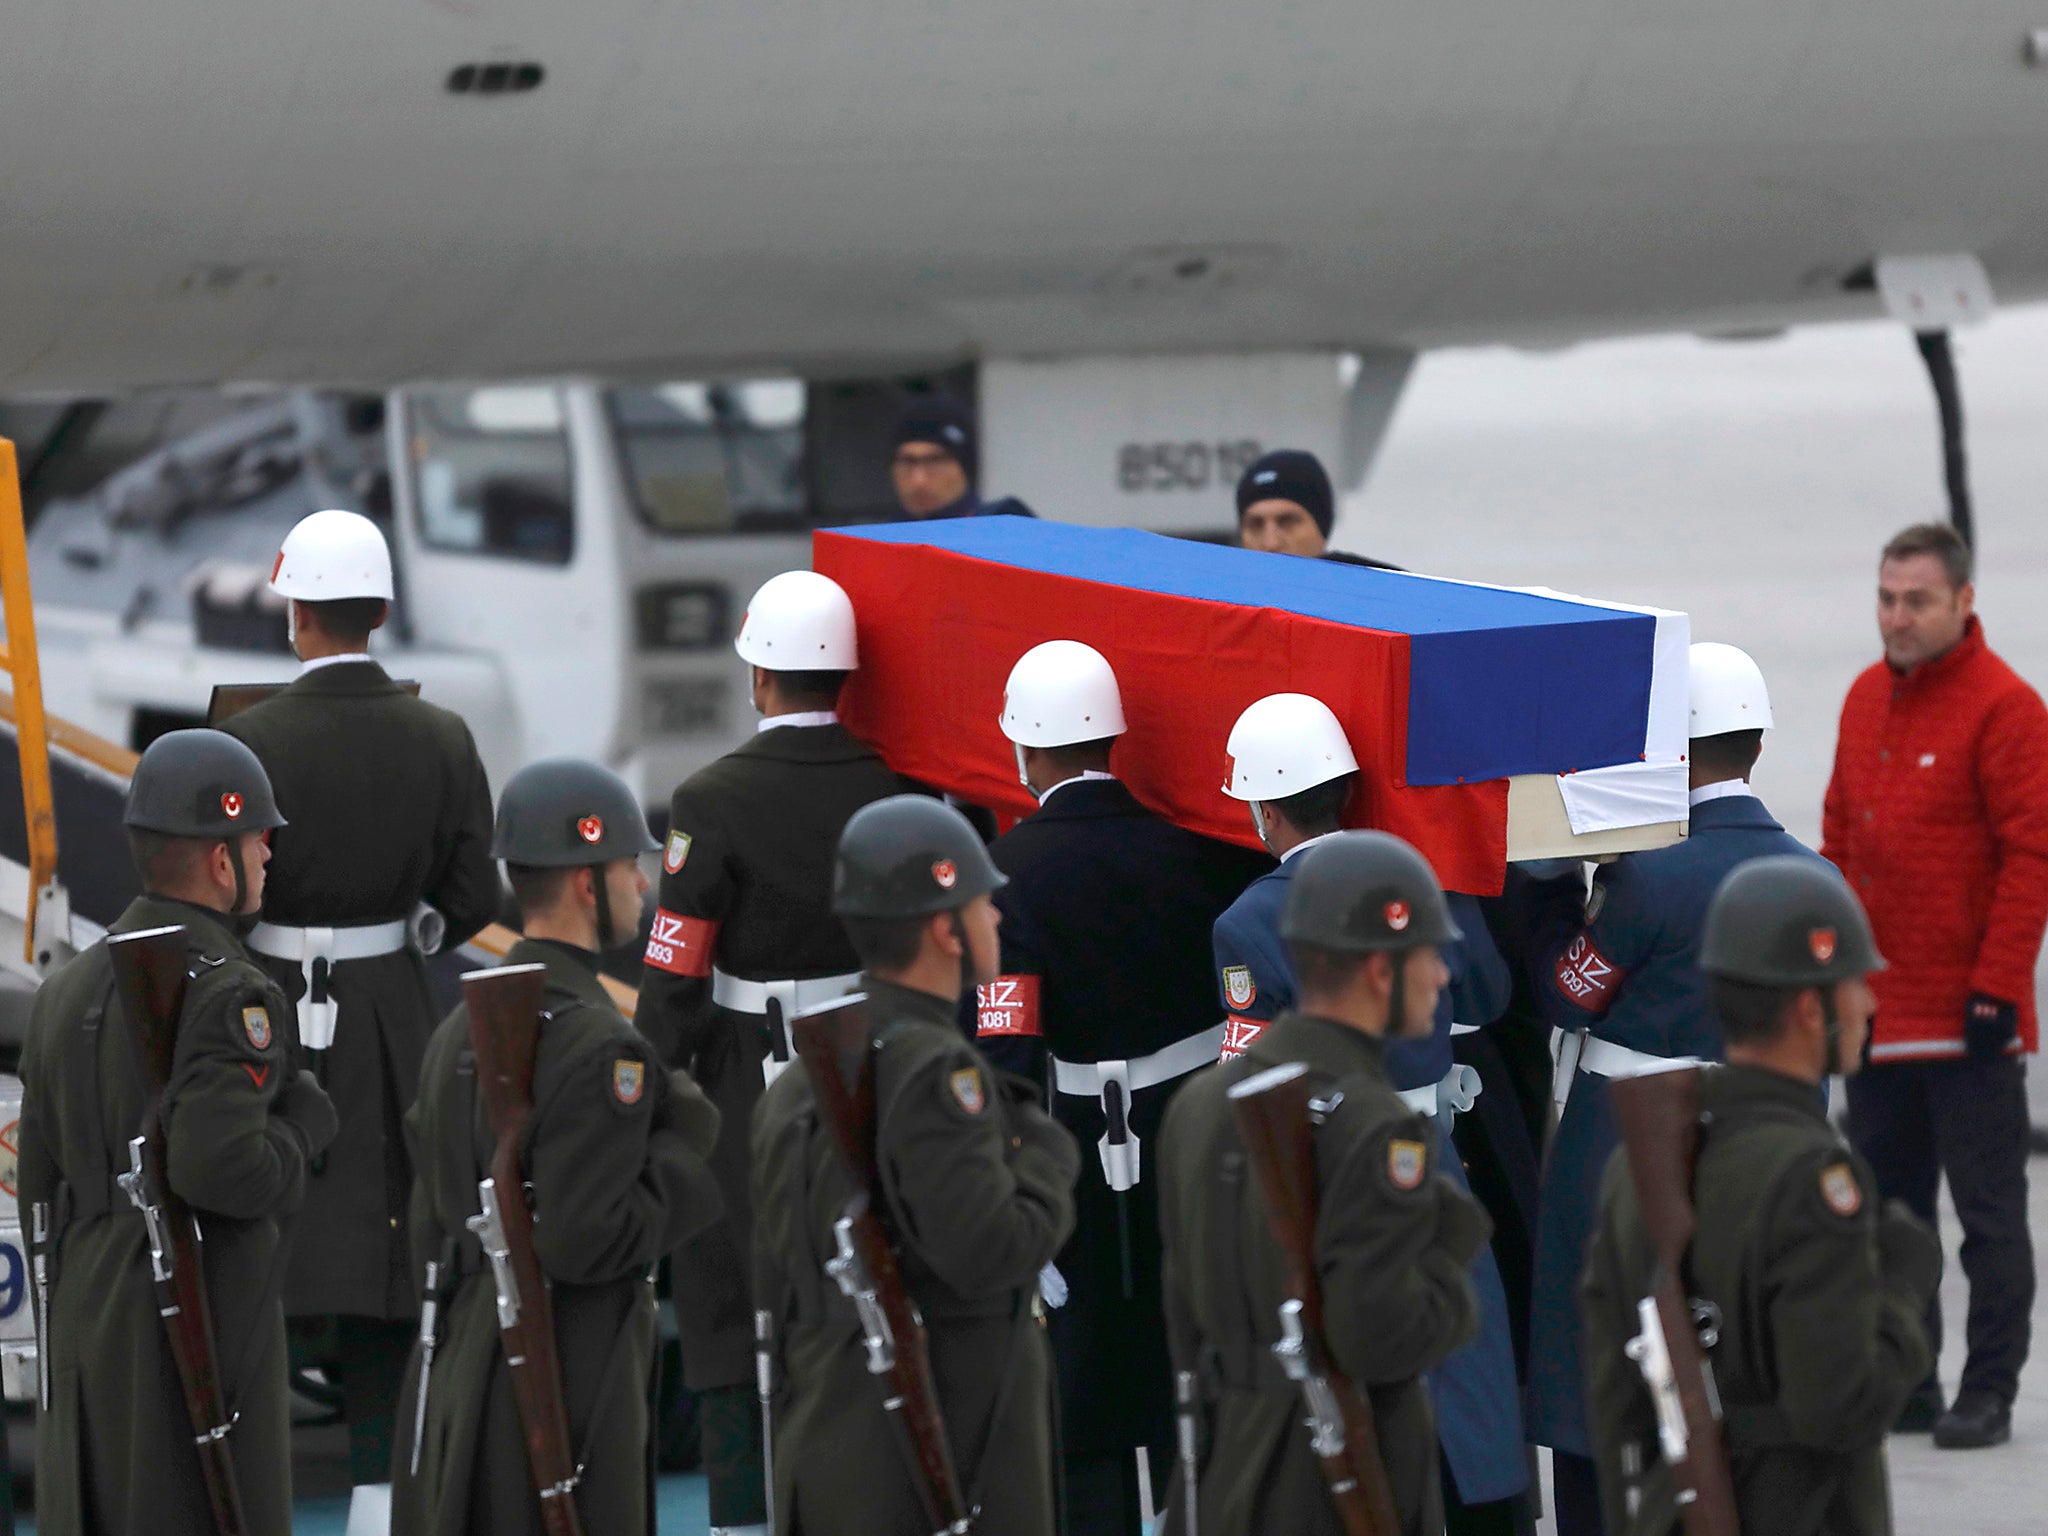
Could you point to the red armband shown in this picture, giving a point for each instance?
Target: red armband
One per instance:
(1008, 1006)
(1586, 977)
(681, 945)
(1238, 1034)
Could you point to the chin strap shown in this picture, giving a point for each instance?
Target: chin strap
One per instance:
(606, 936)
(234, 845)
(966, 954)
(1397, 996)
(1022, 777)
(1833, 1027)
(1259, 824)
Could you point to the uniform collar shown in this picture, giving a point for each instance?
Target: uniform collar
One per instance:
(1726, 789)
(1085, 776)
(569, 969)
(887, 1000)
(340, 659)
(207, 927)
(1732, 1086)
(1305, 845)
(1324, 1044)
(815, 744)
(344, 674)
(798, 720)
(1734, 811)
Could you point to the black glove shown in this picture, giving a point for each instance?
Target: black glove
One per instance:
(305, 1107)
(1908, 1251)
(1989, 1024)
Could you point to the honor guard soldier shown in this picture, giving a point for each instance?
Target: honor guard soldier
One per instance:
(1364, 923)
(1815, 1290)
(1106, 922)
(744, 938)
(1627, 993)
(976, 1184)
(387, 859)
(615, 1159)
(1289, 760)
(114, 1447)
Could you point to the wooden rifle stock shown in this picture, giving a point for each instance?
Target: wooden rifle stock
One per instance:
(150, 978)
(1275, 1121)
(834, 1047)
(504, 1035)
(1659, 1114)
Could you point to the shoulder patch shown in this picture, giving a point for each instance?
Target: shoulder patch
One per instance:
(629, 1080)
(677, 851)
(1407, 1163)
(1839, 1189)
(1239, 990)
(966, 1087)
(256, 1025)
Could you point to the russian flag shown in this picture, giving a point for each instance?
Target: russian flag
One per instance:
(1446, 689)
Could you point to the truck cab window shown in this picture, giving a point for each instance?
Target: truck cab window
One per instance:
(491, 471)
(715, 458)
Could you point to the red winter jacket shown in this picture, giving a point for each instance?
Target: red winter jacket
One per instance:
(1938, 815)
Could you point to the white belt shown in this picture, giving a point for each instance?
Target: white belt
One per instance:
(741, 996)
(1113, 1082)
(1457, 1092)
(316, 951)
(1580, 1050)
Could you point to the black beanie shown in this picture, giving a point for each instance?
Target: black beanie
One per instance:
(942, 424)
(1289, 474)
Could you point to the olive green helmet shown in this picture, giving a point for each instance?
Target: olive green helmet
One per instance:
(200, 783)
(1788, 921)
(1357, 892)
(910, 856)
(563, 812)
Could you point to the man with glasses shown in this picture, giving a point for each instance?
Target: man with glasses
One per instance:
(936, 462)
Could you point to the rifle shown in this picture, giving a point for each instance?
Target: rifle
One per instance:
(230, 699)
(504, 1034)
(834, 1045)
(149, 974)
(1659, 1114)
(1275, 1119)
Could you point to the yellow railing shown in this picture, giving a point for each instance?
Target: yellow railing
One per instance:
(25, 671)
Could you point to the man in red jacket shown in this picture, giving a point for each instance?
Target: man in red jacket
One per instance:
(1938, 815)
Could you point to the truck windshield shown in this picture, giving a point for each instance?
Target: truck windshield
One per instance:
(715, 458)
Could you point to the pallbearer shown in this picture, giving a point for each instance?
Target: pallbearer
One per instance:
(114, 1448)
(387, 859)
(745, 937)
(1364, 924)
(615, 1166)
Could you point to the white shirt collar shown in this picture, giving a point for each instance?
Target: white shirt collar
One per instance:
(333, 661)
(1081, 777)
(801, 717)
(1303, 847)
(1726, 789)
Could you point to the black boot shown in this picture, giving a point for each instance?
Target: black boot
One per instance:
(1922, 1410)
(1977, 1420)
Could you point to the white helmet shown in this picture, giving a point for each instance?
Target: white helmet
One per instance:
(332, 555)
(1284, 744)
(1060, 693)
(799, 622)
(1727, 691)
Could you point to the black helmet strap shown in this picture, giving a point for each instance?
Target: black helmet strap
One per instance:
(966, 954)
(606, 936)
(1832, 1025)
(234, 847)
(1397, 994)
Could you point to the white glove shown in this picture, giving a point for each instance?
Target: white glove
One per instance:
(1052, 1285)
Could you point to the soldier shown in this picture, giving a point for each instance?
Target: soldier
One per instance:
(1105, 934)
(1290, 762)
(1364, 923)
(1818, 1294)
(614, 1157)
(114, 1449)
(977, 1183)
(1626, 993)
(387, 859)
(744, 938)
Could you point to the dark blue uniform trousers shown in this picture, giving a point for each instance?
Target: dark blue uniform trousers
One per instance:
(1918, 1120)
